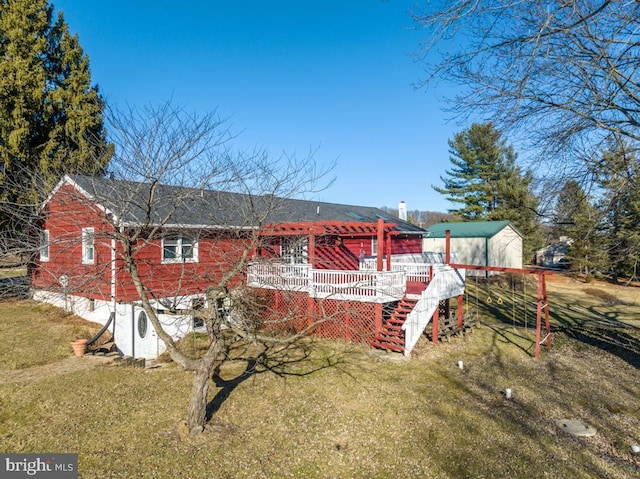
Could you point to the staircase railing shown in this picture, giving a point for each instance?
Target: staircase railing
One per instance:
(447, 282)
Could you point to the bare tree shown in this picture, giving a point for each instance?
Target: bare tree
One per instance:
(175, 181)
(562, 73)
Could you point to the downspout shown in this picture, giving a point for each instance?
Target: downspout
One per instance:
(312, 260)
(486, 255)
(113, 285)
(133, 330)
(447, 247)
(380, 251)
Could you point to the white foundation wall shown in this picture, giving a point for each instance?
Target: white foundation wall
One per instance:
(132, 330)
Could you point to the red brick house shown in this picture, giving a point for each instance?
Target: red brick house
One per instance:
(358, 265)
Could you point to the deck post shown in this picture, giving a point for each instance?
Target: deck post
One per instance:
(378, 318)
(434, 325)
(312, 248)
(388, 252)
(460, 311)
(380, 251)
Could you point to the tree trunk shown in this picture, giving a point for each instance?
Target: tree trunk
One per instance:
(196, 415)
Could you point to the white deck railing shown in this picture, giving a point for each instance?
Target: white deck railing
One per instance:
(447, 282)
(287, 277)
(365, 286)
(345, 285)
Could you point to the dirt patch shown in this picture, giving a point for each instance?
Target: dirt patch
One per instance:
(602, 294)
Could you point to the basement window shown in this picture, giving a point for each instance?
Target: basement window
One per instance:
(198, 305)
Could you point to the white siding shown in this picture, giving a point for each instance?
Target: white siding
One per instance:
(126, 335)
(467, 250)
(504, 250)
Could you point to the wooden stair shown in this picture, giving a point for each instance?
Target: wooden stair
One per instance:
(391, 338)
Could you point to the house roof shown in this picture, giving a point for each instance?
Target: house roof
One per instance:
(469, 229)
(187, 207)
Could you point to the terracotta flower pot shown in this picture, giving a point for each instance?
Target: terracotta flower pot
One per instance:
(79, 346)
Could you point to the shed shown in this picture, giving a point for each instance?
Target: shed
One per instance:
(481, 243)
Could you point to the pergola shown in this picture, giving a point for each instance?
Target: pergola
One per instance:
(383, 232)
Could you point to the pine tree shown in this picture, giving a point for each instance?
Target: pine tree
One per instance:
(489, 184)
(480, 158)
(570, 203)
(620, 206)
(578, 219)
(50, 115)
(518, 204)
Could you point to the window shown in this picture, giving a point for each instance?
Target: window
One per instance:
(44, 245)
(142, 324)
(179, 248)
(374, 246)
(294, 250)
(88, 246)
(197, 305)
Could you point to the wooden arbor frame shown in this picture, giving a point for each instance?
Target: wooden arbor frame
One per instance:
(542, 303)
(383, 232)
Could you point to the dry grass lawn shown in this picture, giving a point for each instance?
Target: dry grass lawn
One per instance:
(346, 411)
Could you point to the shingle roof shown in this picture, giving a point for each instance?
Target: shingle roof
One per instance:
(211, 208)
(469, 229)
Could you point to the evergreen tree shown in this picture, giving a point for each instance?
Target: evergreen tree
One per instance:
(620, 206)
(489, 184)
(517, 203)
(50, 115)
(578, 219)
(480, 158)
(570, 204)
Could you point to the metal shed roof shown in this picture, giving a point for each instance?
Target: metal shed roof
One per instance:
(469, 229)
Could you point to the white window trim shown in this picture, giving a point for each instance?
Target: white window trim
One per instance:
(44, 246)
(294, 249)
(88, 246)
(179, 258)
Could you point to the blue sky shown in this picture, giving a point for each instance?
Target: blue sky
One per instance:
(333, 76)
